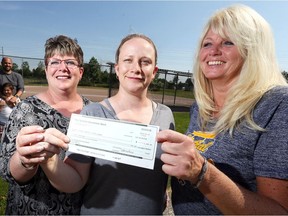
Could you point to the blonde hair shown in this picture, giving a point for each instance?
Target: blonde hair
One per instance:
(260, 71)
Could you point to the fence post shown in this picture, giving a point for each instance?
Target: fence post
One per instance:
(111, 64)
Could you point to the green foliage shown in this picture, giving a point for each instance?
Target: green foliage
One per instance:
(181, 121)
(3, 194)
(39, 72)
(14, 67)
(285, 74)
(171, 92)
(92, 73)
(156, 85)
(32, 81)
(188, 84)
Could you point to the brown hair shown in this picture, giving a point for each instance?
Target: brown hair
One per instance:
(7, 85)
(131, 36)
(64, 46)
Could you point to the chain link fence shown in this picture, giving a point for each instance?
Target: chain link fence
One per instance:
(172, 88)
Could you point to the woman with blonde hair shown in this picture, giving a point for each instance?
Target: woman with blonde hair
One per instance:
(238, 123)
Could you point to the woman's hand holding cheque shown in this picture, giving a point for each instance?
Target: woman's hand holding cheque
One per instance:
(34, 145)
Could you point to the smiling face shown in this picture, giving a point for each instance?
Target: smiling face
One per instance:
(7, 65)
(220, 59)
(61, 75)
(136, 67)
(7, 91)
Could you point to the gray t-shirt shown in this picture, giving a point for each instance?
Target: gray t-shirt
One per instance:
(118, 189)
(14, 78)
(244, 156)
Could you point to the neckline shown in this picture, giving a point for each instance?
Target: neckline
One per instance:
(111, 109)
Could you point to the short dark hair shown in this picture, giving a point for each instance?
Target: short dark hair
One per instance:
(64, 46)
(5, 85)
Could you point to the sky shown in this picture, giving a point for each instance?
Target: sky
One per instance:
(99, 26)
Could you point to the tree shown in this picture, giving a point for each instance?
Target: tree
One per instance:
(156, 84)
(104, 77)
(285, 74)
(175, 79)
(15, 67)
(92, 72)
(25, 69)
(39, 72)
(188, 84)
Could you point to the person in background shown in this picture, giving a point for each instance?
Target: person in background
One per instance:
(112, 187)
(6, 105)
(16, 79)
(30, 134)
(238, 124)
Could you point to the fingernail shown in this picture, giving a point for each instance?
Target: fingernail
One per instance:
(40, 148)
(39, 137)
(40, 129)
(65, 147)
(67, 140)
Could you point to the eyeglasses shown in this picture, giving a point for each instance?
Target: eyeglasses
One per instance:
(70, 63)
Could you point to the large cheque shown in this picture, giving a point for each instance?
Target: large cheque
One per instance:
(120, 141)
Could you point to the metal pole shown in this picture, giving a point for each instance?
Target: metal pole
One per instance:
(111, 64)
(164, 86)
(22, 68)
(175, 86)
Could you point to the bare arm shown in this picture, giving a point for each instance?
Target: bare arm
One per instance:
(232, 199)
(67, 176)
(19, 93)
(16, 97)
(183, 161)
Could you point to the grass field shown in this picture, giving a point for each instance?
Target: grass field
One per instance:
(3, 192)
(181, 122)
